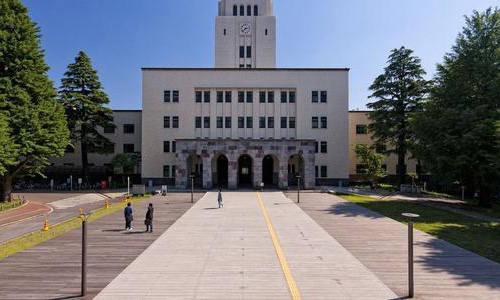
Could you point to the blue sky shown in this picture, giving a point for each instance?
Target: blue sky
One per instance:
(123, 36)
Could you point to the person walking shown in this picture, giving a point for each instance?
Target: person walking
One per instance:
(128, 217)
(149, 218)
(219, 198)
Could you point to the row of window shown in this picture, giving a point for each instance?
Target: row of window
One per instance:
(171, 96)
(248, 51)
(381, 148)
(248, 10)
(127, 148)
(361, 129)
(321, 171)
(319, 96)
(168, 171)
(226, 122)
(321, 147)
(169, 147)
(319, 122)
(247, 96)
(170, 122)
(127, 129)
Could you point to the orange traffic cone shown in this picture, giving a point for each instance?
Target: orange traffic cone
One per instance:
(46, 226)
(106, 204)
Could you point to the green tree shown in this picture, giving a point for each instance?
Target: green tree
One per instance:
(372, 162)
(37, 128)
(399, 92)
(125, 161)
(457, 136)
(84, 98)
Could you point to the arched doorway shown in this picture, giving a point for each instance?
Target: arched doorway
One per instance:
(220, 166)
(270, 171)
(245, 171)
(296, 167)
(195, 167)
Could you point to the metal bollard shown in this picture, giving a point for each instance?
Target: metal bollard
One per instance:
(411, 286)
(84, 255)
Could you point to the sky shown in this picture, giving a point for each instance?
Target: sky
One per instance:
(121, 36)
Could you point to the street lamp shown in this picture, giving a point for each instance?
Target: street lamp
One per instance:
(298, 187)
(192, 187)
(410, 217)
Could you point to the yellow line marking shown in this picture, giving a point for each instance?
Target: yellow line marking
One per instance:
(292, 286)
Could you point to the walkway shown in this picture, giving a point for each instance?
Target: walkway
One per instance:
(230, 253)
(442, 270)
(52, 270)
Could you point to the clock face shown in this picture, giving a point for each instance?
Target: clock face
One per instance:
(245, 29)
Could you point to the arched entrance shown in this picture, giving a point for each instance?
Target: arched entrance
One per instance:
(296, 167)
(245, 171)
(220, 165)
(195, 167)
(270, 171)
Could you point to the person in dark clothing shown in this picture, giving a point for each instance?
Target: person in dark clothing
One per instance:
(149, 218)
(219, 198)
(128, 217)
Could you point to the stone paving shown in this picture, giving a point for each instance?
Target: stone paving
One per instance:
(228, 253)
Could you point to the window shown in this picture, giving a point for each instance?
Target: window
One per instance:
(324, 172)
(197, 122)
(229, 96)
(242, 51)
(128, 148)
(229, 122)
(324, 123)
(206, 96)
(235, 10)
(242, 66)
(220, 96)
(361, 129)
(128, 128)
(324, 147)
(241, 122)
(315, 122)
(324, 96)
(316, 171)
(175, 96)
(166, 147)
(241, 97)
(270, 122)
(270, 97)
(166, 122)
(249, 51)
(225, 31)
(249, 97)
(206, 122)
(316, 145)
(166, 96)
(109, 129)
(174, 147)
(262, 122)
(256, 10)
(360, 169)
(283, 97)
(166, 171)
(284, 122)
(249, 66)
(175, 122)
(173, 171)
(380, 148)
(249, 10)
(198, 96)
(315, 96)
(242, 10)
(291, 97)
(220, 122)
(249, 122)
(291, 122)
(267, 32)
(262, 97)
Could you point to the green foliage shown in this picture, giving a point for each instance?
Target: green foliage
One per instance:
(33, 125)
(458, 139)
(399, 93)
(372, 162)
(125, 161)
(84, 98)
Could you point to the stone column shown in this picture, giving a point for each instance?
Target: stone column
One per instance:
(310, 176)
(232, 173)
(257, 171)
(207, 171)
(181, 172)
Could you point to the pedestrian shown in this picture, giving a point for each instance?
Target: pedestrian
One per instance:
(219, 198)
(128, 217)
(149, 218)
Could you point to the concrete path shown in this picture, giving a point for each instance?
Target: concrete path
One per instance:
(442, 270)
(254, 248)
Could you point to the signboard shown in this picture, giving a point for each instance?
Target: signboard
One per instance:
(138, 189)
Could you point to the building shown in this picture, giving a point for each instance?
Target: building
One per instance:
(358, 134)
(244, 121)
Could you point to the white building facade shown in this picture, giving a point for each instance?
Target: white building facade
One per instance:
(245, 122)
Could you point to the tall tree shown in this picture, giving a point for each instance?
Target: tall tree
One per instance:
(8, 149)
(399, 92)
(37, 128)
(457, 134)
(84, 98)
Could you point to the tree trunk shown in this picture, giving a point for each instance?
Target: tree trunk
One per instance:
(85, 159)
(6, 188)
(401, 166)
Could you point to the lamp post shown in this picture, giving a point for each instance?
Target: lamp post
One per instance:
(411, 288)
(298, 187)
(192, 187)
(84, 254)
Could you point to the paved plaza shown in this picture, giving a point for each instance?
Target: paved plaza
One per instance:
(235, 253)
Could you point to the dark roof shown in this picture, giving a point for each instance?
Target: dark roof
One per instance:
(248, 70)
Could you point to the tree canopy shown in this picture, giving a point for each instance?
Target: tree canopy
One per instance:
(372, 162)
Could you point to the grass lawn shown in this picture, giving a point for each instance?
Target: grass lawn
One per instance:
(32, 239)
(5, 206)
(480, 237)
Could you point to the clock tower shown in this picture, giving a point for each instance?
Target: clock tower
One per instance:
(245, 34)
